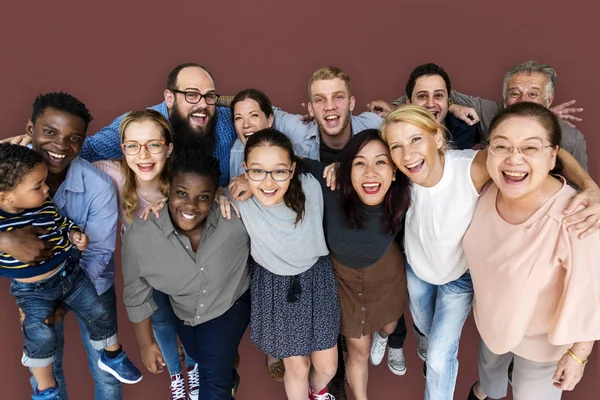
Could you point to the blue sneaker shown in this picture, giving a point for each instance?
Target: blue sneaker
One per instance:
(47, 394)
(120, 367)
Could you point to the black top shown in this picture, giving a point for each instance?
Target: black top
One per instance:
(354, 248)
(327, 154)
(462, 136)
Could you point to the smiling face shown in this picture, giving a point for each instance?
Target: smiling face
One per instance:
(197, 117)
(416, 152)
(372, 173)
(29, 193)
(528, 87)
(518, 175)
(331, 104)
(430, 92)
(248, 118)
(58, 137)
(190, 201)
(146, 166)
(269, 158)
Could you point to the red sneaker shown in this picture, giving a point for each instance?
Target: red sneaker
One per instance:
(322, 395)
(177, 388)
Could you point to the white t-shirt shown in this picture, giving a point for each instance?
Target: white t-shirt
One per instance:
(437, 220)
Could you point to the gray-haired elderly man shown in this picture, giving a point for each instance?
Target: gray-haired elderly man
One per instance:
(535, 82)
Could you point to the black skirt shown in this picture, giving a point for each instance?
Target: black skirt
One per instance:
(283, 328)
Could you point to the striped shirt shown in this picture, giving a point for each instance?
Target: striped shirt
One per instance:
(47, 217)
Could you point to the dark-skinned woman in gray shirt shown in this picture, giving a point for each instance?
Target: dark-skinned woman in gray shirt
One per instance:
(198, 258)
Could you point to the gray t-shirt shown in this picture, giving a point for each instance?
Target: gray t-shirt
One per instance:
(275, 242)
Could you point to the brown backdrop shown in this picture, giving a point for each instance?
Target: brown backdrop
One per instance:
(115, 56)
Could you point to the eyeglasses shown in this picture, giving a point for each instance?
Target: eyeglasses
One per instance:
(131, 147)
(195, 97)
(259, 175)
(506, 149)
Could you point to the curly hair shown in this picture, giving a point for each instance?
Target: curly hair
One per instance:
(15, 163)
(195, 161)
(62, 102)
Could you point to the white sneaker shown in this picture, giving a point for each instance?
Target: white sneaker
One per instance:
(378, 345)
(396, 361)
(421, 346)
(193, 382)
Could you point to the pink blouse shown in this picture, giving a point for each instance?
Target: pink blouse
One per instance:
(536, 286)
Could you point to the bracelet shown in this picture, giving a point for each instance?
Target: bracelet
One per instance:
(574, 357)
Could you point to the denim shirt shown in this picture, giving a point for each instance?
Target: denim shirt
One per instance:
(106, 144)
(87, 196)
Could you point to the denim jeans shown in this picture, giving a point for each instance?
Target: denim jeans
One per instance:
(165, 333)
(439, 312)
(106, 387)
(71, 288)
(214, 344)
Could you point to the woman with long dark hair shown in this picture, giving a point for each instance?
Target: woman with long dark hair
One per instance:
(362, 219)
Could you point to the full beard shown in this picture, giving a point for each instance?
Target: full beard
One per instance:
(186, 137)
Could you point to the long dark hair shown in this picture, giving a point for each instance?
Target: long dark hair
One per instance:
(396, 200)
(294, 197)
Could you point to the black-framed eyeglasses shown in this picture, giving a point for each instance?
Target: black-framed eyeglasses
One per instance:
(278, 175)
(501, 149)
(195, 97)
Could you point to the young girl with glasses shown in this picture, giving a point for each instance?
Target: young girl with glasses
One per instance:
(295, 308)
(141, 178)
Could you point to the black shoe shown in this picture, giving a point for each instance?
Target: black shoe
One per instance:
(425, 369)
(236, 383)
(337, 388)
(472, 395)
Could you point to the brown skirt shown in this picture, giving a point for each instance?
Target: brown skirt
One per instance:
(371, 297)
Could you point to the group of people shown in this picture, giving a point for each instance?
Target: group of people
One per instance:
(315, 231)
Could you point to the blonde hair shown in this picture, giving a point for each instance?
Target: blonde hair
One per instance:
(327, 73)
(418, 116)
(130, 197)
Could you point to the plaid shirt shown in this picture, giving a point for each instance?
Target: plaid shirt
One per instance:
(106, 144)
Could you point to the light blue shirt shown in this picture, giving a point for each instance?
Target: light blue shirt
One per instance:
(87, 197)
(304, 137)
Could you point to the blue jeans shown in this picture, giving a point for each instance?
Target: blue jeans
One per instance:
(70, 287)
(106, 387)
(214, 344)
(163, 326)
(440, 311)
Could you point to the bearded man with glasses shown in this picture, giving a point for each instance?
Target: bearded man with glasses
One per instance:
(190, 105)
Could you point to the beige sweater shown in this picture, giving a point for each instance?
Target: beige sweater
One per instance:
(536, 286)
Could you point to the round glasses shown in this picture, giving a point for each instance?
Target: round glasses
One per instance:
(195, 97)
(131, 147)
(278, 175)
(502, 149)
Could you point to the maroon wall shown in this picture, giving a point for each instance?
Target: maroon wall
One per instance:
(115, 56)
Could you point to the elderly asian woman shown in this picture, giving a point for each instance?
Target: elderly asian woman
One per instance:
(536, 284)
